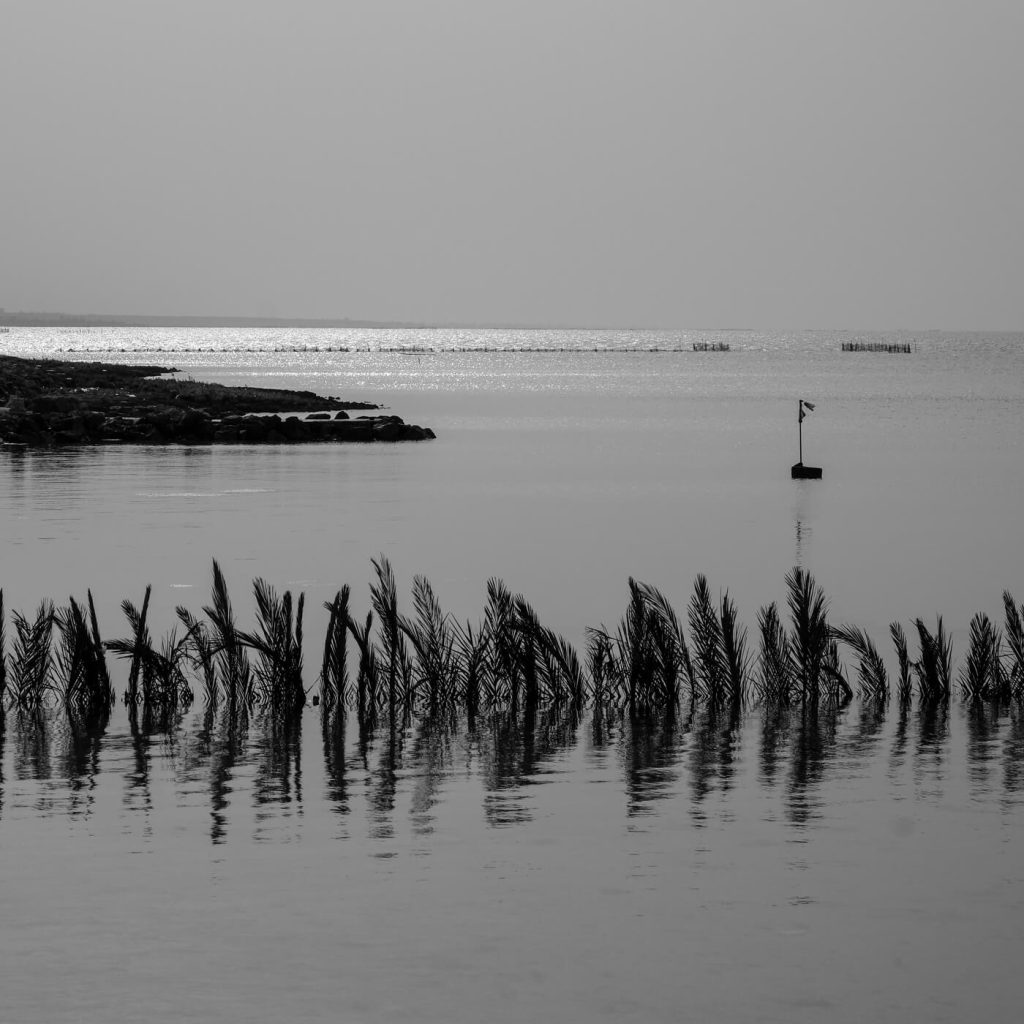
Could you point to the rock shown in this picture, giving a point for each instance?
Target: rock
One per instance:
(255, 429)
(351, 430)
(387, 431)
(55, 403)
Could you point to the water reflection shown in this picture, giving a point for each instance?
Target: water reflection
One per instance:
(985, 720)
(225, 736)
(1013, 753)
(277, 785)
(248, 770)
(80, 762)
(518, 747)
(813, 747)
(332, 732)
(32, 742)
(716, 741)
(650, 750)
(930, 751)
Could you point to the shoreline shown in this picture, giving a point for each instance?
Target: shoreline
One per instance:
(51, 403)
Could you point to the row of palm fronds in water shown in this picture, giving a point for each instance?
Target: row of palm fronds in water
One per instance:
(429, 661)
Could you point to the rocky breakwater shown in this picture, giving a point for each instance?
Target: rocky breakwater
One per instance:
(52, 403)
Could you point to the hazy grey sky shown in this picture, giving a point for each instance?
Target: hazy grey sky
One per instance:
(734, 163)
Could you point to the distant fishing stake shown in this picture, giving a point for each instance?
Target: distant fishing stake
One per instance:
(800, 471)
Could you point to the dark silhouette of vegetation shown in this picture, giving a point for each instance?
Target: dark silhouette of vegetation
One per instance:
(427, 663)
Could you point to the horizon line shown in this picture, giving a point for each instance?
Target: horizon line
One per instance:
(34, 318)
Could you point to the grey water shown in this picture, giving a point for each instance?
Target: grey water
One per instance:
(860, 861)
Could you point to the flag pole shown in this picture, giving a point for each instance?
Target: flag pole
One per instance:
(800, 428)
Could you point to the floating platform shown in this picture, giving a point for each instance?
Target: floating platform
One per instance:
(801, 472)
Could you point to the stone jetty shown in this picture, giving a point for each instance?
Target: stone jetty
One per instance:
(49, 403)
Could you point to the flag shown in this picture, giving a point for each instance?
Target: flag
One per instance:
(809, 405)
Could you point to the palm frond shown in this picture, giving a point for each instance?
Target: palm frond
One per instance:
(3, 654)
(472, 654)
(775, 664)
(734, 650)
(31, 657)
(334, 673)
(672, 629)
(899, 639)
(981, 675)
(1014, 633)
(201, 652)
(871, 672)
(708, 644)
(605, 674)
(384, 597)
(105, 687)
(433, 641)
(809, 635)
(503, 672)
(232, 663)
(934, 666)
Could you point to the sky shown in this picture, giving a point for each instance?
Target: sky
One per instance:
(771, 164)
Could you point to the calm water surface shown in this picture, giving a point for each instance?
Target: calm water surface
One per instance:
(842, 865)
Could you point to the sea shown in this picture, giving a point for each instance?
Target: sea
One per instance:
(838, 863)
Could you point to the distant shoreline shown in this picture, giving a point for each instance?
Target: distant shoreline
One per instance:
(33, 319)
(9, 319)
